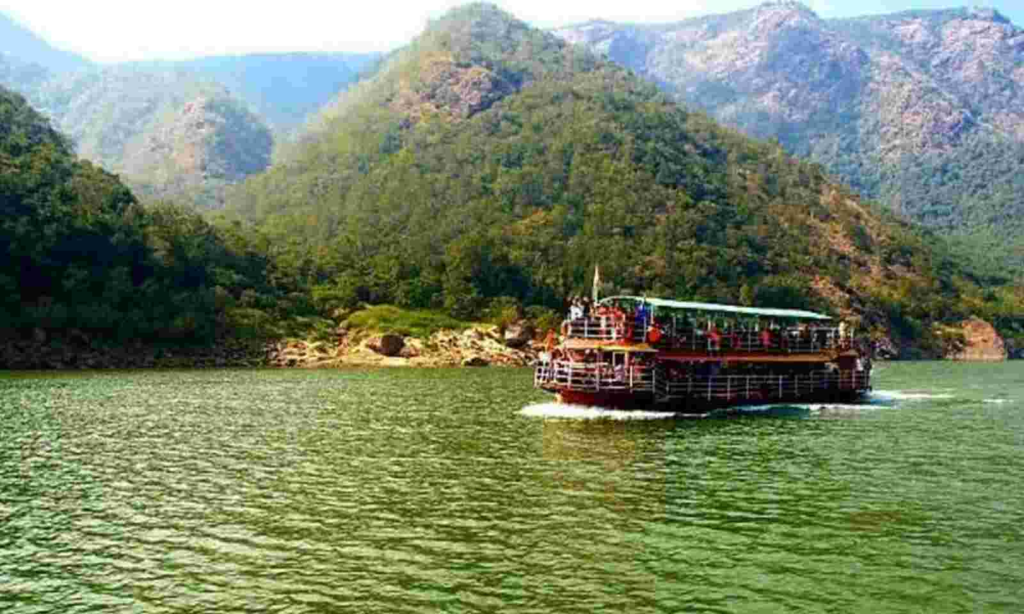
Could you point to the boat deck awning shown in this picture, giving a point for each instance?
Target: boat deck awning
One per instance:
(763, 312)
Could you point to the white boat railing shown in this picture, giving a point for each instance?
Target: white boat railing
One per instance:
(596, 377)
(597, 329)
(602, 377)
(767, 387)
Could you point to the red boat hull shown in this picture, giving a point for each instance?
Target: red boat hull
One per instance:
(698, 405)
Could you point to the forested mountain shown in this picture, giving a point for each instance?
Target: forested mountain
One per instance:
(922, 110)
(84, 261)
(17, 41)
(492, 163)
(169, 133)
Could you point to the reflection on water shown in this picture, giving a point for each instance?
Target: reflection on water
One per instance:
(404, 491)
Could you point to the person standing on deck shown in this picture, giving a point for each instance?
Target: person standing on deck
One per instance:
(640, 317)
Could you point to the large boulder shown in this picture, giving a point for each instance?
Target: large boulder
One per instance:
(413, 349)
(981, 343)
(518, 335)
(389, 345)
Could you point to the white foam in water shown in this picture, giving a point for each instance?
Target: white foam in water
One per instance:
(996, 401)
(582, 412)
(899, 395)
(809, 407)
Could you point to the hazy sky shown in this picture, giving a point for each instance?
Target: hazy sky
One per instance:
(116, 30)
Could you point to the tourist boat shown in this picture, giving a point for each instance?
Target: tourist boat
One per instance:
(639, 352)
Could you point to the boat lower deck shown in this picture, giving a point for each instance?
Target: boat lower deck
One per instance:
(600, 384)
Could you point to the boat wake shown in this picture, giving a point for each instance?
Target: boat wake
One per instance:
(582, 412)
(875, 400)
(810, 408)
(892, 396)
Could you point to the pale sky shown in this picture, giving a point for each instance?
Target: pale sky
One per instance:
(119, 30)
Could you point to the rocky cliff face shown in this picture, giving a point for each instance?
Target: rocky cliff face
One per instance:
(924, 110)
(444, 87)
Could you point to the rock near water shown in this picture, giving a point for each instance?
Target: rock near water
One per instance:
(518, 335)
(389, 345)
(981, 343)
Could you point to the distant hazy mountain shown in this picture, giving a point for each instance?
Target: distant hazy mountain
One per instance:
(923, 110)
(18, 42)
(21, 76)
(169, 133)
(182, 130)
(284, 88)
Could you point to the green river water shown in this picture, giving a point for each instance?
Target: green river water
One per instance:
(468, 491)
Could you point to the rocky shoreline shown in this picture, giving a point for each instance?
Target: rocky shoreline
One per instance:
(474, 347)
(479, 346)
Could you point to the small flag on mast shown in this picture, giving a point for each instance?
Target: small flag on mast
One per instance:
(597, 282)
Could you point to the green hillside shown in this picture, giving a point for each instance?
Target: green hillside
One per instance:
(491, 164)
(85, 262)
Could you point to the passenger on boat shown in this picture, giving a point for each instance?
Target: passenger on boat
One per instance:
(575, 309)
(640, 317)
(654, 334)
(735, 340)
(714, 339)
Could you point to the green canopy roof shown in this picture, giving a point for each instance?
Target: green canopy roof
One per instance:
(715, 308)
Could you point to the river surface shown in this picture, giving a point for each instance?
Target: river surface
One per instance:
(467, 491)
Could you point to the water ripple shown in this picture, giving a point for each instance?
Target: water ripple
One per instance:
(426, 491)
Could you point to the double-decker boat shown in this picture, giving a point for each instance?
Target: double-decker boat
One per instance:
(635, 352)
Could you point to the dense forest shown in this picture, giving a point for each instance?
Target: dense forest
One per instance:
(85, 259)
(919, 110)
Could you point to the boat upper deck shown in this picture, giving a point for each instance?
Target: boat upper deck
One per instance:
(686, 330)
(586, 333)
